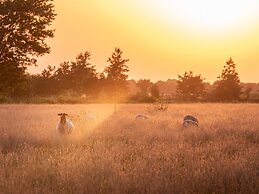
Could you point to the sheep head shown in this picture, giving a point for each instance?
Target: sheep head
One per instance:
(62, 117)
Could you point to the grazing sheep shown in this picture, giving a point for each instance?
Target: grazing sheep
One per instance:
(190, 121)
(65, 126)
(141, 117)
(90, 118)
(85, 116)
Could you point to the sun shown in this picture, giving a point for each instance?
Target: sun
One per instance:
(207, 15)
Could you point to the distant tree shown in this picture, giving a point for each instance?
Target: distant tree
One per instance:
(48, 72)
(63, 71)
(154, 91)
(247, 93)
(102, 87)
(117, 73)
(144, 86)
(228, 87)
(76, 77)
(44, 83)
(62, 77)
(83, 74)
(12, 79)
(190, 87)
(148, 92)
(22, 35)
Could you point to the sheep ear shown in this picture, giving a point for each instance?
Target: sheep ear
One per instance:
(59, 114)
(66, 114)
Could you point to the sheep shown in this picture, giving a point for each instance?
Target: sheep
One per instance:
(90, 118)
(141, 117)
(190, 121)
(64, 126)
(85, 116)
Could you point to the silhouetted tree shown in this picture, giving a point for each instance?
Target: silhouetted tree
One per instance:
(63, 71)
(144, 86)
(190, 87)
(228, 87)
(62, 77)
(78, 77)
(117, 73)
(148, 92)
(48, 72)
(247, 93)
(44, 83)
(22, 35)
(154, 91)
(12, 79)
(102, 87)
(83, 74)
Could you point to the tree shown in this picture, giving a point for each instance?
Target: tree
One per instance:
(22, 35)
(116, 73)
(148, 92)
(62, 77)
(144, 86)
(247, 93)
(154, 91)
(83, 74)
(77, 77)
(48, 73)
(228, 87)
(190, 87)
(44, 83)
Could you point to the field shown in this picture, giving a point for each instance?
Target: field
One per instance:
(119, 154)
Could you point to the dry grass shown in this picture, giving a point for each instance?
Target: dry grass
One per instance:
(118, 154)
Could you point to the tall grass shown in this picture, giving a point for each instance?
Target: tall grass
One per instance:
(118, 154)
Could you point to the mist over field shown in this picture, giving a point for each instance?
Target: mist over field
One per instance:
(117, 153)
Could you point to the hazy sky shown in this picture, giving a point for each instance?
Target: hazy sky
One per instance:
(162, 38)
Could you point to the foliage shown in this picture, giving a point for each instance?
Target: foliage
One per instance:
(116, 73)
(22, 35)
(190, 87)
(44, 84)
(144, 86)
(78, 77)
(228, 87)
(154, 91)
(246, 94)
(62, 77)
(12, 79)
(147, 91)
(83, 74)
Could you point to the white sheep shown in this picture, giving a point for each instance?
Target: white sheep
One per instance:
(85, 116)
(190, 121)
(64, 126)
(90, 118)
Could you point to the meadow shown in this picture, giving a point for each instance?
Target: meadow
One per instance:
(119, 154)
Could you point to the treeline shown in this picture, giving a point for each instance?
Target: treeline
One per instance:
(78, 81)
(80, 78)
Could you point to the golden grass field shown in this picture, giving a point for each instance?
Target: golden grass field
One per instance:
(119, 154)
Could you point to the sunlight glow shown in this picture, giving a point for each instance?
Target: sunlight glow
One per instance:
(162, 38)
(208, 15)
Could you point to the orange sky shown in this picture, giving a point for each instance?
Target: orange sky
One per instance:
(162, 38)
